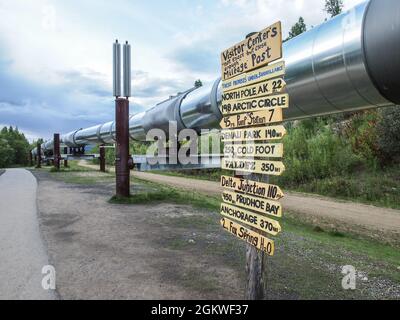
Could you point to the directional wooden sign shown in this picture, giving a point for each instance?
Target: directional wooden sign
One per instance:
(255, 91)
(250, 119)
(271, 150)
(253, 52)
(271, 208)
(260, 242)
(255, 104)
(252, 219)
(254, 188)
(252, 77)
(254, 134)
(273, 168)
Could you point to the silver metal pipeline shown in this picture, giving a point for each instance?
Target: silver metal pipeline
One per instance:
(348, 63)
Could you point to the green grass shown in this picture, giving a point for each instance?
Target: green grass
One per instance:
(376, 188)
(73, 166)
(206, 175)
(380, 188)
(330, 238)
(372, 248)
(76, 174)
(162, 193)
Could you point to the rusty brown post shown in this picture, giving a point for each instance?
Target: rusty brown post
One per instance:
(30, 159)
(56, 151)
(122, 147)
(65, 157)
(39, 155)
(102, 158)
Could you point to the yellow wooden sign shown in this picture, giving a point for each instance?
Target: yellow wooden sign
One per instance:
(252, 219)
(267, 207)
(254, 188)
(253, 52)
(273, 168)
(255, 91)
(254, 134)
(255, 104)
(250, 119)
(252, 77)
(260, 242)
(266, 150)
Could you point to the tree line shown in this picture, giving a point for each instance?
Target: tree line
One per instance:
(14, 148)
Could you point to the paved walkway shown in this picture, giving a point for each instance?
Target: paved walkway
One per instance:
(22, 254)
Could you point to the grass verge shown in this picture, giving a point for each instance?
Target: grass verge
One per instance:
(291, 223)
(161, 193)
(380, 188)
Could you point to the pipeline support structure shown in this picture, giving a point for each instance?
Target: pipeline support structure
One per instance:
(56, 151)
(122, 172)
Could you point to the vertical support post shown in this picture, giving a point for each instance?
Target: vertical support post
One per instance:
(65, 157)
(256, 262)
(56, 151)
(30, 159)
(102, 158)
(39, 155)
(122, 147)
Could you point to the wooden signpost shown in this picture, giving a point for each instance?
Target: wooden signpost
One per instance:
(263, 150)
(254, 91)
(254, 52)
(253, 99)
(255, 104)
(260, 242)
(249, 119)
(267, 207)
(259, 75)
(252, 219)
(273, 168)
(254, 188)
(254, 134)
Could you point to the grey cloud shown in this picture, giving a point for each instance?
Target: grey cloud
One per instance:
(145, 86)
(197, 58)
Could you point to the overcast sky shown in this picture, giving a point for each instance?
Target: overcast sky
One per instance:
(56, 55)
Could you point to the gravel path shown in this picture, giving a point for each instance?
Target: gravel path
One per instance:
(365, 216)
(106, 251)
(22, 254)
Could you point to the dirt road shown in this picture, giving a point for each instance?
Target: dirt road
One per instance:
(355, 214)
(105, 251)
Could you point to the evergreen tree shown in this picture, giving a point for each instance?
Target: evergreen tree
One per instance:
(14, 147)
(198, 83)
(334, 7)
(298, 28)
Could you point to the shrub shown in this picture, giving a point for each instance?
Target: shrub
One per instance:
(362, 134)
(388, 137)
(314, 151)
